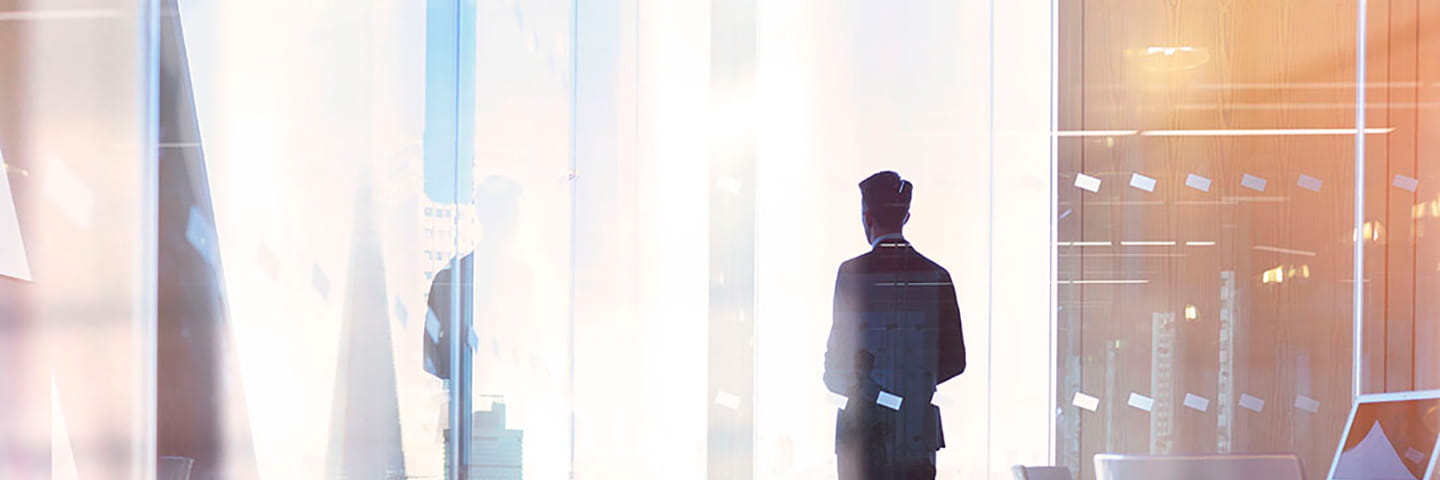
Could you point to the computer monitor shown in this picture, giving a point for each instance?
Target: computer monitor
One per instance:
(1390, 437)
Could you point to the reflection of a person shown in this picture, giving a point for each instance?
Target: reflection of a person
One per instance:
(896, 335)
(493, 290)
(493, 284)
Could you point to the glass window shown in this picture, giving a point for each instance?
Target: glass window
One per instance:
(321, 365)
(1206, 191)
(1402, 200)
(77, 228)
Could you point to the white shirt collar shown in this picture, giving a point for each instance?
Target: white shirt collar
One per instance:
(889, 236)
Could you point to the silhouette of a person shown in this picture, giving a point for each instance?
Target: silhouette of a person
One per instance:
(896, 336)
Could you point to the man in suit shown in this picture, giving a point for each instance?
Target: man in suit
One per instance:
(896, 336)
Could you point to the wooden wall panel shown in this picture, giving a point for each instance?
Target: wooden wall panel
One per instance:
(1221, 65)
(1427, 231)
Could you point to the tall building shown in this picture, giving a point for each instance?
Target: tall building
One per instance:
(440, 237)
(495, 451)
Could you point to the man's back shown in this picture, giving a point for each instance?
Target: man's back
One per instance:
(896, 330)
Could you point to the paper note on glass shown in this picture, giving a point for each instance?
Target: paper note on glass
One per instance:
(1086, 402)
(1196, 402)
(889, 400)
(1142, 402)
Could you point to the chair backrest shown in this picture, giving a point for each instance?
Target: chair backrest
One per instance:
(1042, 473)
(1198, 467)
(174, 468)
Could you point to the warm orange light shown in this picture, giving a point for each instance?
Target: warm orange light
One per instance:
(1274, 275)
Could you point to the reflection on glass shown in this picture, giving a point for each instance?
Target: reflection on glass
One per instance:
(292, 286)
(76, 226)
(517, 222)
(1389, 440)
(1402, 184)
(1222, 291)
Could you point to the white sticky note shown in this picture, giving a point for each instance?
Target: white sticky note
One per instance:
(1142, 182)
(1087, 182)
(1253, 182)
(1414, 456)
(1142, 402)
(432, 325)
(1252, 403)
(1198, 182)
(1310, 183)
(727, 400)
(1196, 402)
(839, 401)
(1307, 404)
(14, 262)
(66, 190)
(1406, 183)
(1086, 402)
(889, 400)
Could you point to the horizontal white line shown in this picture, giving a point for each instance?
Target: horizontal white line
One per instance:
(1199, 244)
(1096, 133)
(1123, 255)
(1147, 244)
(1084, 244)
(1261, 132)
(75, 14)
(1220, 132)
(1295, 85)
(1103, 282)
(1288, 251)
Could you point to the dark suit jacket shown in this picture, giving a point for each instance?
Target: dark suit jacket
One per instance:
(896, 329)
(436, 341)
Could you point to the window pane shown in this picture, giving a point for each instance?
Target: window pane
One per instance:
(295, 346)
(1402, 329)
(76, 226)
(1205, 176)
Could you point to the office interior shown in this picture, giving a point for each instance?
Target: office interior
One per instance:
(595, 239)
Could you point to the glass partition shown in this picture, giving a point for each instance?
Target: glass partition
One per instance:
(301, 233)
(1206, 183)
(834, 105)
(76, 233)
(1401, 327)
(517, 221)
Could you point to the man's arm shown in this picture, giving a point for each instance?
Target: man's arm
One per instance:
(840, 349)
(952, 337)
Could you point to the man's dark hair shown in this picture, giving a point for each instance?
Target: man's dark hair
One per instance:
(886, 197)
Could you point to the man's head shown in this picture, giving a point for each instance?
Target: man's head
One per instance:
(885, 204)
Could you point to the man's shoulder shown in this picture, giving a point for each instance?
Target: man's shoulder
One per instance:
(876, 261)
(931, 264)
(859, 263)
